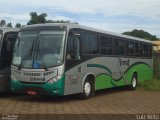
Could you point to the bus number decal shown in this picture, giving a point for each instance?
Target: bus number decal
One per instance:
(73, 80)
(124, 62)
(32, 79)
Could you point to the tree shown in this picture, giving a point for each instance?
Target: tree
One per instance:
(18, 25)
(35, 19)
(9, 24)
(49, 21)
(58, 21)
(41, 18)
(2, 23)
(141, 34)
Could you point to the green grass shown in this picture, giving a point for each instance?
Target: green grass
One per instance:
(151, 85)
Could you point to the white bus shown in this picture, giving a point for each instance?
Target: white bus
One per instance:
(63, 59)
(7, 40)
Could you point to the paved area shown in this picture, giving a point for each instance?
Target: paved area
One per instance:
(104, 102)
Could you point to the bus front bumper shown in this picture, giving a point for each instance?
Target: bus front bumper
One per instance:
(55, 88)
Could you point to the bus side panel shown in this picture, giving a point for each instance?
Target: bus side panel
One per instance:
(143, 69)
(107, 72)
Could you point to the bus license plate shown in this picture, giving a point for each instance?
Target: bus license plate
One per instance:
(31, 92)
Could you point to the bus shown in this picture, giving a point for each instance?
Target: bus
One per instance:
(7, 40)
(63, 59)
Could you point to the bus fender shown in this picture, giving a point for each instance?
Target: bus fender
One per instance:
(85, 79)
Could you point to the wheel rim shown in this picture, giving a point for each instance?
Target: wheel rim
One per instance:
(87, 88)
(134, 82)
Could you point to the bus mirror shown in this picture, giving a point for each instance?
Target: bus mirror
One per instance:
(74, 34)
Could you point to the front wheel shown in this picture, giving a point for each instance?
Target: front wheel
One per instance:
(87, 90)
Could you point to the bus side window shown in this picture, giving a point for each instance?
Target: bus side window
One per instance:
(150, 51)
(73, 48)
(145, 50)
(129, 48)
(118, 47)
(138, 49)
(106, 45)
(90, 43)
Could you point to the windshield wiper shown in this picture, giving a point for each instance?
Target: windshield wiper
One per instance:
(28, 54)
(17, 44)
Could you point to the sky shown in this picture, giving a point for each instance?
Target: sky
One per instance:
(112, 15)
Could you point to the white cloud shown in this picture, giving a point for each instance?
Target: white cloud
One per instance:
(144, 9)
(14, 18)
(120, 28)
(59, 17)
(148, 8)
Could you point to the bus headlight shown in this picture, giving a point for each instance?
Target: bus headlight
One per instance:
(55, 79)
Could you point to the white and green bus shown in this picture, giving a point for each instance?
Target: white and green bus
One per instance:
(62, 59)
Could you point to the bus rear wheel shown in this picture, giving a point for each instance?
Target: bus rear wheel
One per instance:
(87, 90)
(133, 83)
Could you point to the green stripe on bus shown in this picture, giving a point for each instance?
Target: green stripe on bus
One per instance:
(106, 81)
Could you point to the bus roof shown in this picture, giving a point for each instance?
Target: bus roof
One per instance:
(72, 25)
(8, 29)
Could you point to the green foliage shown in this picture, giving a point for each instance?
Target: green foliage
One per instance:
(2, 23)
(9, 24)
(18, 25)
(141, 34)
(57, 21)
(151, 85)
(156, 64)
(36, 19)
(154, 84)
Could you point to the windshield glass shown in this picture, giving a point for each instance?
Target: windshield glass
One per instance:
(0, 36)
(39, 49)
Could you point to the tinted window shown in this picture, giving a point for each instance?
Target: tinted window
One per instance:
(145, 50)
(150, 51)
(129, 48)
(106, 45)
(118, 47)
(138, 49)
(7, 49)
(90, 43)
(73, 48)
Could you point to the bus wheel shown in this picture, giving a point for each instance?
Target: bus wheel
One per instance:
(133, 83)
(87, 90)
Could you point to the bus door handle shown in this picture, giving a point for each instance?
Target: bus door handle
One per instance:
(79, 69)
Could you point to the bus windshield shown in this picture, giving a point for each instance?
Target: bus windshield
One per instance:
(39, 49)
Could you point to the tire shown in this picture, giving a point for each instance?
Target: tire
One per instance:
(88, 90)
(133, 83)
